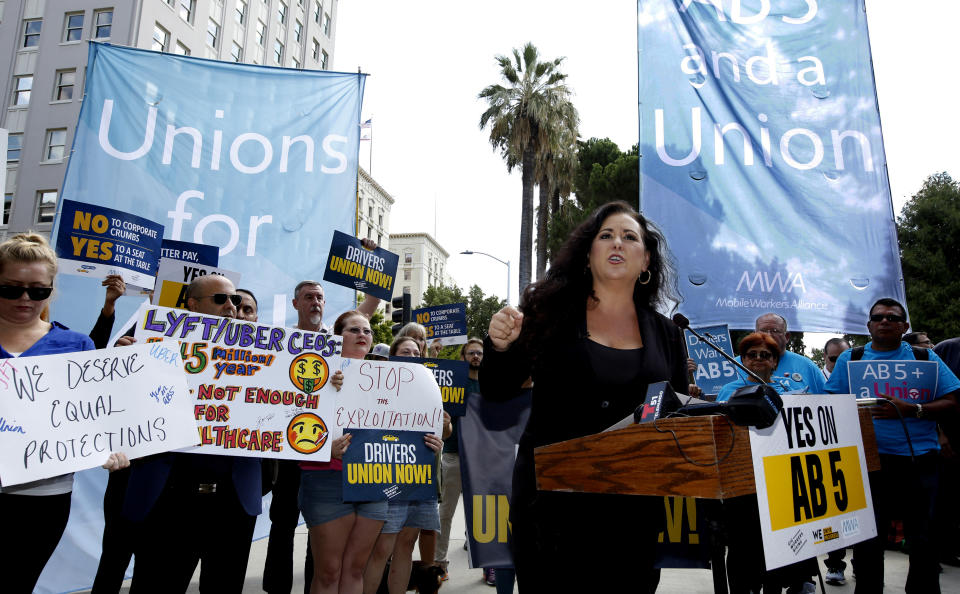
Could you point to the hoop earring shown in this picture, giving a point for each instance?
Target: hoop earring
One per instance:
(641, 280)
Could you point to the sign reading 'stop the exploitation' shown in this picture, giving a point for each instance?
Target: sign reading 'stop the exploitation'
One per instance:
(811, 476)
(258, 390)
(452, 377)
(352, 265)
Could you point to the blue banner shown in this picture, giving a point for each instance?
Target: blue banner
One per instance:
(384, 465)
(915, 381)
(185, 251)
(713, 371)
(446, 323)
(260, 162)
(763, 160)
(95, 241)
(354, 266)
(452, 376)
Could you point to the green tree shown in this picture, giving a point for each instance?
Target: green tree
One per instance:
(603, 173)
(381, 328)
(556, 167)
(480, 309)
(929, 231)
(522, 115)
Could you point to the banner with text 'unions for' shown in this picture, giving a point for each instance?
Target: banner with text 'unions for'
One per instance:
(763, 160)
(260, 162)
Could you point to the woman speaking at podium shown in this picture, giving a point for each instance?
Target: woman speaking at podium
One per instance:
(590, 336)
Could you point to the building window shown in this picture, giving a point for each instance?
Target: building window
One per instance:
(323, 59)
(103, 21)
(236, 52)
(316, 50)
(55, 145)
(277, 51)
(31, 32)
(187, 10)
(46, 205)
(73, 27)
(261, 33)
(408, 258)
(326, 24)
(213, 33)
(241, 12)
(7, 205)
(296, 63)
(181, 49)
(298, 31)
(14, 144)
(64, 89)
(161, 39)
(406, 274)
(317, 12)
(22, 85)
(282, 13)
(380, 220)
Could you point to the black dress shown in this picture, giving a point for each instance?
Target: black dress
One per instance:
(570, 540)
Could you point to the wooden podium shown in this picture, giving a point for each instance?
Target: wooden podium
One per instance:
(677, 457)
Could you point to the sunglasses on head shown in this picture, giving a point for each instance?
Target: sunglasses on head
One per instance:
(16, 291)
(762, 355)
(221, 298)
(887, 317)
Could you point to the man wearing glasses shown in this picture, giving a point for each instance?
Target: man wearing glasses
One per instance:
(831, 351)
(906, 483)
(795, 373)
(192, 508)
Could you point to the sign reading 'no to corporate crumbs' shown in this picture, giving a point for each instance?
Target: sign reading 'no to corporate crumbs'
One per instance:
(67, 412)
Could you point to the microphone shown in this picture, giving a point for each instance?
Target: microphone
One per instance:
(869, 401)
(758, 405)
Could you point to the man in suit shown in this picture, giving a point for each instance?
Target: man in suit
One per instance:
(194, 508)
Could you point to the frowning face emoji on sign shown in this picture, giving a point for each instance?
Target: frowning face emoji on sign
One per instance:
(309, 372)
(307, 433)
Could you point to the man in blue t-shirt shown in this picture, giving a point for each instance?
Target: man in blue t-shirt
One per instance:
(905, 486)
(794, 373)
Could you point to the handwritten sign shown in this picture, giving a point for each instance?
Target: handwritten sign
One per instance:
(186, 251)
(446, 323)
(811, 477)
(96, 241)
(387, 395)
(67, 412)
(175, 276)
(258, 390)
(915, 381)
(713, 371)
(354, 266)
(452, 377)
(388, 465)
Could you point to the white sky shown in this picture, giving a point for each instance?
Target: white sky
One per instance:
(429, 59)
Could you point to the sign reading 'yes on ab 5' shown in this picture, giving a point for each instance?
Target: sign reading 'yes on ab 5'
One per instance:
(811, 476)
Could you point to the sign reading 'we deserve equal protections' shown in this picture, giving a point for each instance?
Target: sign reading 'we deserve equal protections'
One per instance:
(67, 412)
(259, 391)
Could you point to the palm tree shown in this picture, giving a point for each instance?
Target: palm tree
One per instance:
(521, 115)
(555, 168)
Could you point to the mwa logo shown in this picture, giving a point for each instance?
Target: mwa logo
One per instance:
(764, 282)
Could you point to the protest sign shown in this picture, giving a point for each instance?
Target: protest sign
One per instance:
(754, 161)
(354, 266)
(174, 276)
(388, 465)
(444, 323)
(680, 545)
(713, 371)
(915, 381)
(260, 391)
(96, 241)
(387, 395)
(811, 477)
(452, 376)
(67, 412)
(186, 251)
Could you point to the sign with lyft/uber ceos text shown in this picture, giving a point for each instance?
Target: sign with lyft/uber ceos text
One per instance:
(260, 162)
(763, 161)
(67, 412)
(811, 476)
(713, 371)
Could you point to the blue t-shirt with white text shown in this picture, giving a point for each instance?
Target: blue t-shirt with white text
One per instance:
(794, 374)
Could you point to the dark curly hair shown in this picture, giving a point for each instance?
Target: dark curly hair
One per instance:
(554, 305)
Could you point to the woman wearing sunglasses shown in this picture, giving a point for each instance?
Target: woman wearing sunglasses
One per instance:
(34, 514)
(760, 354)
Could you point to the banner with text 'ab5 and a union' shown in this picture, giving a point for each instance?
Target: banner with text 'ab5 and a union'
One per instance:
(260, 162)
(763, 160)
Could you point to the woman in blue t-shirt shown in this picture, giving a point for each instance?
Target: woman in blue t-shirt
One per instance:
(34, 514)
(760, 354)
